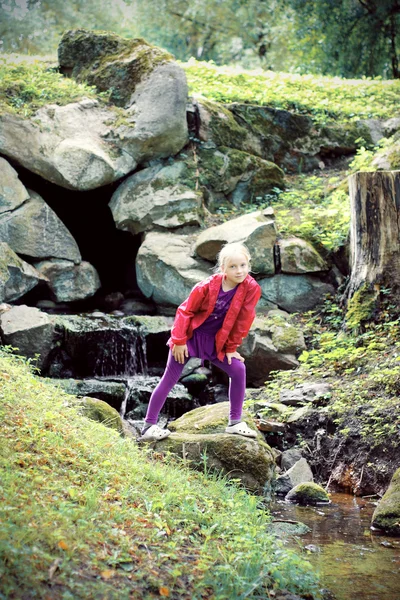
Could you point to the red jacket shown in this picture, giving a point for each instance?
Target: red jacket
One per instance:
(200, 304)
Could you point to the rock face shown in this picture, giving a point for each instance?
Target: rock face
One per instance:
(257, 230)
(12, 192)
(271, 345)
(69, 282)
(387, 514)
(29, 330)
(294, 293)
(154, 198)
(299, 256)
(17, 277)
(85, 145)
(33, 229)
(165, 270)
(201, 431)
(236, 176)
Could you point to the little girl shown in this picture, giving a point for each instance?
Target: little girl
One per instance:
(210, 324)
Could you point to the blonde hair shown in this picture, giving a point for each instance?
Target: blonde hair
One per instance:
(230, 250)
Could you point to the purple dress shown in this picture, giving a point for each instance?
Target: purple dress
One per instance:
(202, 343)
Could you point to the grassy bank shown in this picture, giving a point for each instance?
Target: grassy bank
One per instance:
(88, 514)
(323, 98)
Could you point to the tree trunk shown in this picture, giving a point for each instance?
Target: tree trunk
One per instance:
(375, 232)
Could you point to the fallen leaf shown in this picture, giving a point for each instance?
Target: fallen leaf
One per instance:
(63, 545)
(107, 574)
(164, 592)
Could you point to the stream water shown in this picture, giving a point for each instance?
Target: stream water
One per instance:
(354, 562)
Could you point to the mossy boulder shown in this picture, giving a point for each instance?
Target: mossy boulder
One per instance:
(98, 410)
(299, 256)
(199, 437)
(236, 176)
(308, 493)
(294, 293)
(111, 392)
(108, 61)
(387, 514)
(67, 281)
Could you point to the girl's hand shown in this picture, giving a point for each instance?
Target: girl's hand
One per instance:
(230, 355)
(179, 353)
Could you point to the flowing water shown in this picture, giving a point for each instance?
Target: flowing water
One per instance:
(354, 562)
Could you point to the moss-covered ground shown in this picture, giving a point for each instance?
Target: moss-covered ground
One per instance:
(87, 514)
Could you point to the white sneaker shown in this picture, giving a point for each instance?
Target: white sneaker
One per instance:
(241, 429)
(154, 433)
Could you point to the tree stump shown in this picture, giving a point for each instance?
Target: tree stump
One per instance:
(375, 232)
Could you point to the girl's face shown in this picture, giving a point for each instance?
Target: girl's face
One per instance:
(236, 268)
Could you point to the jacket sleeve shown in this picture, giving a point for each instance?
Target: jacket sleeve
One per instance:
(244, 319)
(185, 313)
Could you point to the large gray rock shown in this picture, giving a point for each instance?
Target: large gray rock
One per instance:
(29, 330)
(270, 347)
(165, 270)
(155, 198)
(85, 145)
(299, 473)
(256, 230)
(200, 433)
(306, 393)
(299, 256)
(294, 293)
(33, 229)
(12, 192)
(17, 277)
(69, 282)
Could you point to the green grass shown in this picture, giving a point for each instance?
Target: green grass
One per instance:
(323, 98)
(26, 86)
(87, 514)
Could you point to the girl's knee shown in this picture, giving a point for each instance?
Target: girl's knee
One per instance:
(239, 367)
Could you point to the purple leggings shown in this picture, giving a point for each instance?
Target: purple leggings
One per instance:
(236, 372)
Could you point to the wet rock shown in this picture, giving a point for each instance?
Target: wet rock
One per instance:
(69, 282)
(283, 530)
(178, 402)
(299, 256)
(166, 272)
(29, 330)
(290, 457)
(305, 393)
(195, 383)
(387, 514)
(255, 230)
(299, 473)
(307, 493)
(17, 277)
(12, 192)
(98, 410)
(294, 293)
(33, 229)
(156, 198)
(201, 431)
(111, 392)
(137, 307)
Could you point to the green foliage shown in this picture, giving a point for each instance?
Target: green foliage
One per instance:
(362, 367)
(26, 86)
(323, 98)
(93, 515)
